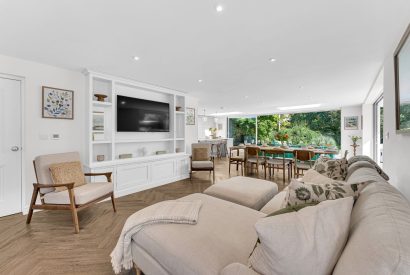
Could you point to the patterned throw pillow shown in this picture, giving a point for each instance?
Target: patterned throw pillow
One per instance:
(301, 193)
(293, 208)
(67, 172)
(333, 168)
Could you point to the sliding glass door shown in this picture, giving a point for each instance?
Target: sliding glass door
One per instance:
(378, 129)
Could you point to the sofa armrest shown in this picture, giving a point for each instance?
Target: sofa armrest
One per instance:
(237, 269)
(106, 174)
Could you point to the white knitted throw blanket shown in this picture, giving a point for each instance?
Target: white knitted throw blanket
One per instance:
(185, 212)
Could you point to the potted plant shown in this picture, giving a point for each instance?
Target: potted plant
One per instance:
(213, 132)
(283, 137)
(355, 139)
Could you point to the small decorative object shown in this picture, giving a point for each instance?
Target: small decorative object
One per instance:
(213, 132)
(351, 123)
(57, 103)
(355, 139)
(402, 83)
(282, 136)
(100, 157)
(160, 152)
(178, 108)
(190, 116)
(178, 150)
(100, 97)
(98, 136)
(125, 156)
(98, 121)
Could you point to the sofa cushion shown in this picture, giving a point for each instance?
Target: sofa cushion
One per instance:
(333, 168)
(379, 239)
(203, 164)
(67, 172)
(275, 203)
(301, 193)
(224, 234)
(250, 192)
(312, 176)
(237, 269)
(83, 194)
(309, 241)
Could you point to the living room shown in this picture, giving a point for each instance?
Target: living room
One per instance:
(134, 94)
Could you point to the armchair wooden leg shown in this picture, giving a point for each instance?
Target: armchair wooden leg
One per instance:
(74, 211)
(32, 203)
(137, 270)
(113, 202)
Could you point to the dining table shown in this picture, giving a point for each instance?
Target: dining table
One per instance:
(290, 149)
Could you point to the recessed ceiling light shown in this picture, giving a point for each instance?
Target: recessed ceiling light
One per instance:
(219, 8)
(136, 58)
(298, 107)
(200, 80)
(272, 59)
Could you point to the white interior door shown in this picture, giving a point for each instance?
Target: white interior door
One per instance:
(10, 146)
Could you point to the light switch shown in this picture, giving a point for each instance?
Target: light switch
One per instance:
(55, 136)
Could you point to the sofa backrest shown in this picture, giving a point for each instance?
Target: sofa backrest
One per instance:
(379, 238)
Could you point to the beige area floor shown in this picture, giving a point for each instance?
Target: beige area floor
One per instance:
(49, 246)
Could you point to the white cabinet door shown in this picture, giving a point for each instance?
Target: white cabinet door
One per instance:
(10, 147)
(183, 167)
(162, 170)
(130, 176)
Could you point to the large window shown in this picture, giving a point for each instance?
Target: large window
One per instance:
(316, 128)
(242, 130)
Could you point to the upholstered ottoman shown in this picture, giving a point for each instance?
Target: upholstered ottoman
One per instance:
(249, 192)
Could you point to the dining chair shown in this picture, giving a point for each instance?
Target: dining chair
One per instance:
(236, 156)
(279, 161)
(252, 157)
(302, 160)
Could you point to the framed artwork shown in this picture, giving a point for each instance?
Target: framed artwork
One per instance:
(402, 83)
(57, 103)
(190, 116)
(351, 123)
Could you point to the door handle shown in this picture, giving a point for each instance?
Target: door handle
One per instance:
(15, 148)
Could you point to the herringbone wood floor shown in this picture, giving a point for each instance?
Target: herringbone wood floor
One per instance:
(49, 246)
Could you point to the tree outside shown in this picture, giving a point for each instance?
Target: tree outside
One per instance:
(316, 128)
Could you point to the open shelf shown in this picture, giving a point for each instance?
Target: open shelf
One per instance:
(102, 103)
(179, 112)
(101, 141)
(143, 140)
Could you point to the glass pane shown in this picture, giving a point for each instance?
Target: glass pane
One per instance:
(242, 130)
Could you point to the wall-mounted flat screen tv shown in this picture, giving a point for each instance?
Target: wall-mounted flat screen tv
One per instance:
(140, 115)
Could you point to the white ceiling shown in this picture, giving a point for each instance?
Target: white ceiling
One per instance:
(327, 51)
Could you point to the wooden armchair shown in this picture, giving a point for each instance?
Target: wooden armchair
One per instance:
(73, 198)
(201, 159)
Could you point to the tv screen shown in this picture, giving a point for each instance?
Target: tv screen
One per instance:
(140, 115)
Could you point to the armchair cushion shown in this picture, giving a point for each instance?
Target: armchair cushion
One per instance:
(67, 172)
(203, 164)
(83, 194)
(200, 154)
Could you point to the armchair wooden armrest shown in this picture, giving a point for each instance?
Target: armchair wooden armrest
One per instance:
(106, 174)
(40, 185)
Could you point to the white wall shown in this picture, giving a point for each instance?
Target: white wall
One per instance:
(345, 134)
(191, 134)
(72, 131)
(396, 147)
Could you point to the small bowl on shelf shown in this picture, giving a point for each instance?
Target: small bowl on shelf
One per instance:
(100, 97)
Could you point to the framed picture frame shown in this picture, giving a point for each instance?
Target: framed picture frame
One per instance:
(402, 83)
(57, 103)
(190, 116)
(351, 122)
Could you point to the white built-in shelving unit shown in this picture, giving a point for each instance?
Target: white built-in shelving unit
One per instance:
(149, 150)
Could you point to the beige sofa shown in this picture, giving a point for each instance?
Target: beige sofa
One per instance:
(223, 239)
